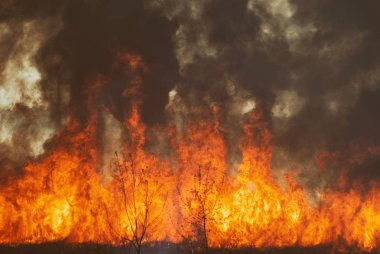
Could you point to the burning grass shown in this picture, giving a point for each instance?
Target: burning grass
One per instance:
(190, 197)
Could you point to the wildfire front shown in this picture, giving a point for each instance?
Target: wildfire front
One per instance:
(202, 126)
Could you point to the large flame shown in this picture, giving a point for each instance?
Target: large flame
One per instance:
(177, 197)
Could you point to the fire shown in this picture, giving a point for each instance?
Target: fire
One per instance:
(191, 195)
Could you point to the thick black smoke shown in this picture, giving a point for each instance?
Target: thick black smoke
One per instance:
(91, 34)
(313, 67)
(71, 43)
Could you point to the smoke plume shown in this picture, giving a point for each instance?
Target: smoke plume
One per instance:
(313, 68)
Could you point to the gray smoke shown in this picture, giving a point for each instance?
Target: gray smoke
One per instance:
(312, 67)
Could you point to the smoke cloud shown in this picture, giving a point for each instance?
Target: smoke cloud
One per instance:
(312, 67)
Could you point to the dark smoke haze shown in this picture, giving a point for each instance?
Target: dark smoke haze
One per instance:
(313, 67)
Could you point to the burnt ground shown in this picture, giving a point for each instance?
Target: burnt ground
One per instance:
(163, 248)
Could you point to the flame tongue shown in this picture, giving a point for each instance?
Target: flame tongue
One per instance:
(189, 196)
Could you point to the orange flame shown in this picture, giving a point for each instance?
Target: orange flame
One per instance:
(191, 195)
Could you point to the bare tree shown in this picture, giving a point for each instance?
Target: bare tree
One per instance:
(141, 196)
(200, 203)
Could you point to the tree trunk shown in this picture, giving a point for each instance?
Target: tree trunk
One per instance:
(138, 249)
(205, 234)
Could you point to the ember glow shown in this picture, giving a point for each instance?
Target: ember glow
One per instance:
(203, 124)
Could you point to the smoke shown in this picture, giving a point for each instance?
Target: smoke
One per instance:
(24, 110)
(311, 67)
(52, 51)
